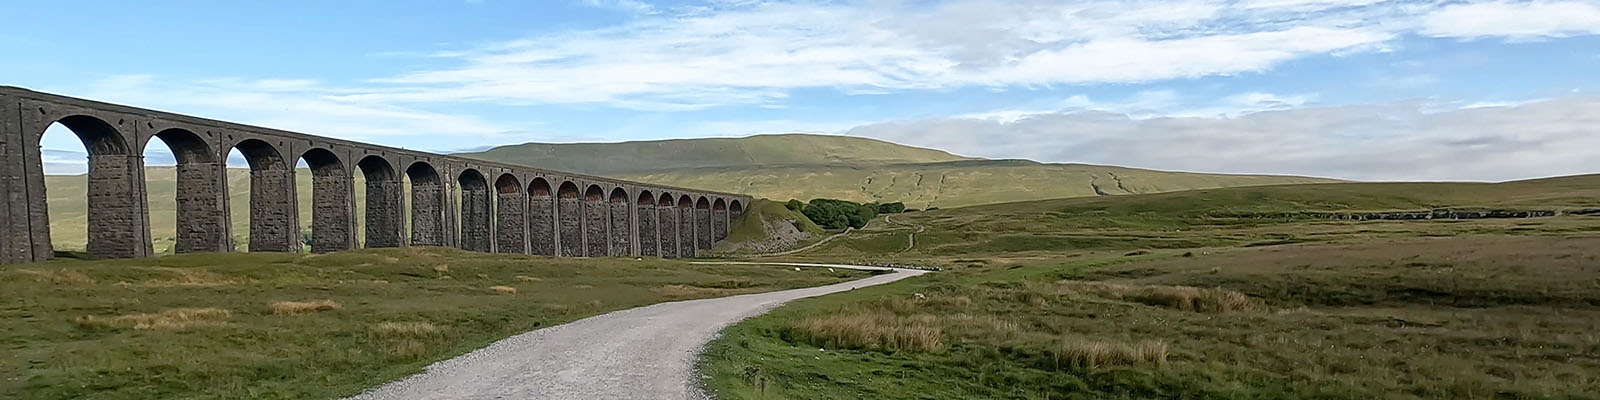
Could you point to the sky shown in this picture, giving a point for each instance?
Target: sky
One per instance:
(1354, 89)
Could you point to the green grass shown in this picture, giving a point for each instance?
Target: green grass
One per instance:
(112, 329)
(1211, 294)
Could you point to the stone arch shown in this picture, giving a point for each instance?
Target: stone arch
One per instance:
(702, 224)
(719, 219)
(332, 206)
(667, 224)
(274, 223)
(117, 227)
(510, 215)
(385, 203)
(645, 211)
(476, 211)
(541, 217)
(427, 205)
(569, 211)
(202, 216)
(735, 208)
(686, 226)
(621, 222)
(595, 222)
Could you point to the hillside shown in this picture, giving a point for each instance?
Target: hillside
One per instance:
(798, 166)
(644, 157)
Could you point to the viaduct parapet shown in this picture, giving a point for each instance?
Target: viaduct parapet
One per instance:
(457, 202)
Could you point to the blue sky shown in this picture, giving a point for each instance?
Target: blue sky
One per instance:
(1360, 89)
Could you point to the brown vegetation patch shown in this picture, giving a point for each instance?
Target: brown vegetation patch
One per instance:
(1074, 353)
(302, 307)
(503, 289)
(526, 278)
(873, 331)
(173, 319)
(407, 339)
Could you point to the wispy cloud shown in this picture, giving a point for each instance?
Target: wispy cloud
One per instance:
(1521, 20)
(1400, 141)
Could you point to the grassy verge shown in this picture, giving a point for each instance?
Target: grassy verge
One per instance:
(1470, 316)
(309, 326)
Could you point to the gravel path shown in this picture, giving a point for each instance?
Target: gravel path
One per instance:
(642, 353)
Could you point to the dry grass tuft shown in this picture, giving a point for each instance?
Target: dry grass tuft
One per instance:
(1095, 354)
(526, 278)
(407, 339)
(1182, 298)
(503, 289)
(62, 276)
(302, 307)
(873, 331)
(174, 319)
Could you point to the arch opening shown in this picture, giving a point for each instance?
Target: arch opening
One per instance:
(327, 211)
(667, 225)
(621, 223)
(569, 215)
(510, 215)
(477, 209)
(719, 220)
(649, 230)
(596, 223)
(541, 218)
(703, 234)
(383, 211)
(686, 227)
(193, 218)
(267, 214)
(93, 206)
(427, 205)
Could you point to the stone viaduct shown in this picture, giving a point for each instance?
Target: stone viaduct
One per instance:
(501, 207)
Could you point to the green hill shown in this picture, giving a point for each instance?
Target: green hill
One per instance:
(644, 157)
(801, 166)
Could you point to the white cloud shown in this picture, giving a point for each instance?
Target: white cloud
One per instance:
(755, 52)
(297, 105)
(1400, 141)
(1517, 20)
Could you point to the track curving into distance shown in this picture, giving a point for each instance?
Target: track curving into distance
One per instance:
(641, 353)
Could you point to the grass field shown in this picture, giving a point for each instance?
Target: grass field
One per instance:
(1240, 293)
(291, 326)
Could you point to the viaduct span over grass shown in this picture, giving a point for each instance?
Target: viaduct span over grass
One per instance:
(456, 202)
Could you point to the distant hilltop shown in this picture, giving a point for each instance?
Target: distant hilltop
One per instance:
(806, 166)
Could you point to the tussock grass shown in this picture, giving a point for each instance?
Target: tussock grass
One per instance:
(188, 277)
(167, 320)
(1181, 298)
(526, 278)
(503, 289)
(301, 307)
(1090, 354)
(408, 339)
(873, 331)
